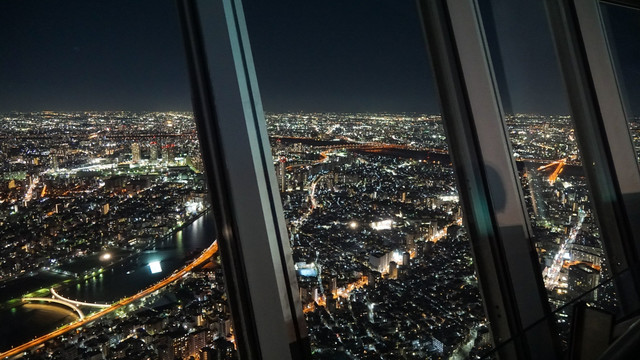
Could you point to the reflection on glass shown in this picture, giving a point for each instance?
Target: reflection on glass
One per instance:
(564, 226)
(106, 236)
(383, 263)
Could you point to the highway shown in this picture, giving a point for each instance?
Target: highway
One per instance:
(559, 167)
(551, 274)
(123, 302)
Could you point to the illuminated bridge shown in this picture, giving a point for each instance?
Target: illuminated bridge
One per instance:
(206, 254)
(56, 301)
(76, 303)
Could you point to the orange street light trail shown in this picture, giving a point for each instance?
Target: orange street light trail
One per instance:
(124, 302)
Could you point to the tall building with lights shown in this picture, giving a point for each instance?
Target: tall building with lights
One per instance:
(135, 152)
(153, 152)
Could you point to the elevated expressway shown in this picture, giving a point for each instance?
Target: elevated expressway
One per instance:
(113, 307)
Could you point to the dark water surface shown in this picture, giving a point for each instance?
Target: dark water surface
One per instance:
(21, 324)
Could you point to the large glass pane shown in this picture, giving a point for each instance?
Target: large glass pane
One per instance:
(565, 229)
(383, 263)
(622, 29)
(107, 241)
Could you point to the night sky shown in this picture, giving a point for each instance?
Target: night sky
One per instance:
(358, 55)
(343, 56)
(91, 55)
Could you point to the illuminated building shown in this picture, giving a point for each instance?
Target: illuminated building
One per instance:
(491, 196)
(380, 261)
(197, 340)
(256, 254)
(135, 152)
(393, 270)
(153, 157)
(406, 258)
(282, 165)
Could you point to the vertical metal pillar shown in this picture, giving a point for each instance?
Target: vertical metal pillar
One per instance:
(252, 237)
(494, 211)
(603, 135)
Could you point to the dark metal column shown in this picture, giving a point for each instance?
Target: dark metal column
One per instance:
(252, 237)
(603, 135)
(494, 211)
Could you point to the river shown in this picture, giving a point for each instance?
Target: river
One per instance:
(32, 320)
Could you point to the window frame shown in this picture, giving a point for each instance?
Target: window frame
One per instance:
(602, 133)
(256, 258)
(256, 255)
(495, 214)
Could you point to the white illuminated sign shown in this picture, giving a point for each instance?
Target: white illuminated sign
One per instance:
(155, 267)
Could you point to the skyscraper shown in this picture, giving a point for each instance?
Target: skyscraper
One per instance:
(282, 166)
(153, 146)
(135, 152)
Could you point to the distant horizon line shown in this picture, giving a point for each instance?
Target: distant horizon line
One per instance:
(266, 112)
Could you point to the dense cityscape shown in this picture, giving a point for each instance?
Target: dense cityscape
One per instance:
(374, 220)
(92, 200)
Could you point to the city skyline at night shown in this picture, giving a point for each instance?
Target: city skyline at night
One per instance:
(76, 175)
(186, 180)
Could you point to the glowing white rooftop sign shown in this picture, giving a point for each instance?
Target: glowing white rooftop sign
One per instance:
(155, 267)
(382, 225)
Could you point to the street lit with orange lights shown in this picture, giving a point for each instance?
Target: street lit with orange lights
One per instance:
(118, 305)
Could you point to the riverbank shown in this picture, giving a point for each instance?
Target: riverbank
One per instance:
(119, 282)
(39, 283)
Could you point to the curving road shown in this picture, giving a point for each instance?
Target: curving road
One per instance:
(123, 302)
